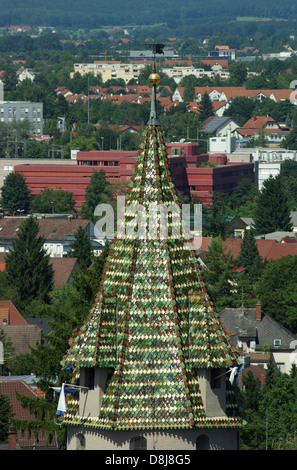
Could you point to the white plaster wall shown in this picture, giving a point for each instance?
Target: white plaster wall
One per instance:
(183, 440)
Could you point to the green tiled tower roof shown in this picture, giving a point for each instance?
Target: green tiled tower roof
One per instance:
(152, 321)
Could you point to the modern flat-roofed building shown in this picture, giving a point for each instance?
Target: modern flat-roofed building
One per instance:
(193, 173)
(11, 111)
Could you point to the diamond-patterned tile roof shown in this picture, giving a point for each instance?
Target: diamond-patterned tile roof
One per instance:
(153, 321)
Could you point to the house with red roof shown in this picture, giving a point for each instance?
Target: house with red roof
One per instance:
(23, 336)
(266, 126)
(23, 440)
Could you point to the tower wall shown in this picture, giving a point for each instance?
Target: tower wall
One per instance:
(213, 391)
(183, 440)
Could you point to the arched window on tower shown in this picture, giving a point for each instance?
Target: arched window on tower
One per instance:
(202, 442)
(138, 443)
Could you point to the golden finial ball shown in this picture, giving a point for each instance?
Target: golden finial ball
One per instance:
(154, 78)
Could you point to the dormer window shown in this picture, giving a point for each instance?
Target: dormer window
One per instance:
(277, 342)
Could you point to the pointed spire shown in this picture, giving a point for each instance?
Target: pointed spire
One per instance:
(154, 79)
(152, 320)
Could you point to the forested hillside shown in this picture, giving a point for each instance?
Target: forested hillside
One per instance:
(195, 17)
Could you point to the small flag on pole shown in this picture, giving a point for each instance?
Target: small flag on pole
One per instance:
(62, 402)
(234, 373)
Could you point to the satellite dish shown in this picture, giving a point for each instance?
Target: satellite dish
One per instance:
(182, 141)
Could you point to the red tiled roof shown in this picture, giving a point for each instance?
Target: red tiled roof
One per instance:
(223, 62)
(10, 388)
(49, 228)
(257, 122)
(268, 249)
(63, 269)
(9, 312)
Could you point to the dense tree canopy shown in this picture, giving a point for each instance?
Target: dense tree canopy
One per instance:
(28, 267)
(53, 201)
(272, 212)
(15, 194)
(277, 290)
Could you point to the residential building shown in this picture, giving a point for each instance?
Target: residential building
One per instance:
(227, 94)
(25, 74)
(270, 248)
(219, 126)
(23, 439)
(271, 132)
(147, 54)
(109, 70)
(180, 72)
(11, 111)
(260, 337)
(23, 336)
(185, 162)
(57, 232)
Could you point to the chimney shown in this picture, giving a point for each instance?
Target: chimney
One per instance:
(258, 312)
(12, 438)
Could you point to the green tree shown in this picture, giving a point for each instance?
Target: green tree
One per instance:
(238, 74)
(81, 247)
(241, 109)
(205, 108)
(82, 143)
(5, 416)
(68, 310)
(9, 353)
(28, 267)
(189, 84)
(242, 201)
(214, 217)
(55, 201)
(98, 191)
(277, 291)
(290, 142)
(249, 254)
(15, 194)
(252, 434)
(218, 274)
(272, 212)
(288, 177)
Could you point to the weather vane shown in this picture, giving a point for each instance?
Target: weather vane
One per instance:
(156, 49)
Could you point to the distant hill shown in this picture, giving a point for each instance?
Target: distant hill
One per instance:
(195, 16)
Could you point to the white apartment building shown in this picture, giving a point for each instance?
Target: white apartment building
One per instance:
(178, 73)
(109, 70)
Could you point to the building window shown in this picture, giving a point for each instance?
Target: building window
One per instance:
(89, 377)
(281, 367)
(215, 378)
(277, 342)
(202, 442)
(80, 441)
(176, 151)
(138, 443)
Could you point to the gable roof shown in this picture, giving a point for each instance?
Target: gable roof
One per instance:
(270, 250)
(11, 314)
(24, 440)
(258, 122)
(63, 270)
(50, 228)
(243, 321)
(213, 123)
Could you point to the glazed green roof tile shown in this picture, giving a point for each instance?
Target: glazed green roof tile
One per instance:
(152, 321)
